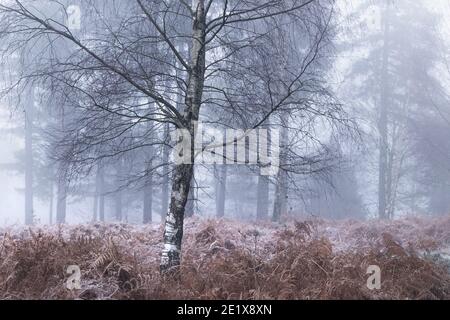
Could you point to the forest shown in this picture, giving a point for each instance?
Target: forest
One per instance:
(225, 149)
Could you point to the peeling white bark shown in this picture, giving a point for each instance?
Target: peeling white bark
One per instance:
(173, 232)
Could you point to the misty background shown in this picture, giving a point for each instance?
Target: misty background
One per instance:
(347, 187)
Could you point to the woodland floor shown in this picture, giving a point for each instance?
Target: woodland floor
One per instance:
(224, 259)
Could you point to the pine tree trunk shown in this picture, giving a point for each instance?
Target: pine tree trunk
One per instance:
(280, 203)
(50, 205)
(165, 177)
(29, 101)
(101, 193)
(383, 123)
(61, 198)
(190, 205)
(221, 189)
(95, 215)
(118, 205)
(262, 197)
(262, 203)
(281, 191)
(95, 209)
(148, 199)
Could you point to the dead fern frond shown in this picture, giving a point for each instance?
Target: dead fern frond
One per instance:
(109, 255)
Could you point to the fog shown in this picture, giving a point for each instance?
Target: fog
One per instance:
(345, 180)
(322, 180)
(253, 138)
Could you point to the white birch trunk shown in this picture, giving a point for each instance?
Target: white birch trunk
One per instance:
(173, 231)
